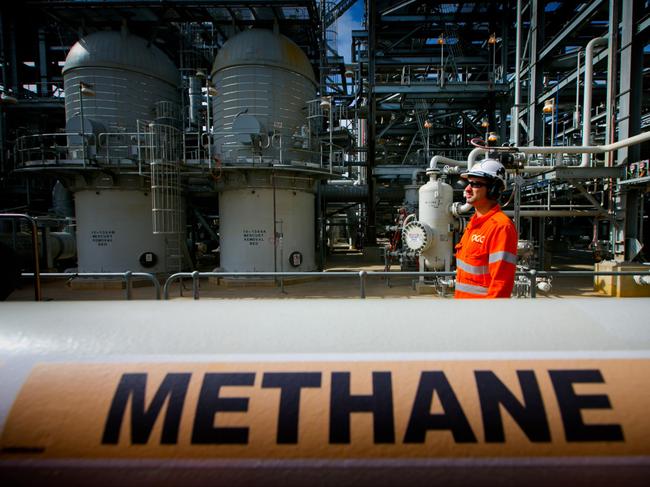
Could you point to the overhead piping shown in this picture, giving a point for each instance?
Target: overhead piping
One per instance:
(588, 149)
(586, 108)
(445, 160)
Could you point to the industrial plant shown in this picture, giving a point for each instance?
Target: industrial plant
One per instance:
(257, 242)
(271, 137)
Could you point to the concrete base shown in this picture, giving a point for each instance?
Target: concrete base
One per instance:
(620, 286)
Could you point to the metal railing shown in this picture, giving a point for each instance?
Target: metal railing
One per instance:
(361, 275)
(364, 275)
(135, 148)
(118, 146)
(51, 148)
(127, 276)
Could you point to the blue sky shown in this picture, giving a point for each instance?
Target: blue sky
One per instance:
(350, 21)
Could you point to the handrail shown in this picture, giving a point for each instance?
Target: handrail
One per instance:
(361, 275)
(364, 275)
(127, 276)
(37, 270)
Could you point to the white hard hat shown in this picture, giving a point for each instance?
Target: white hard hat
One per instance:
(488, 168)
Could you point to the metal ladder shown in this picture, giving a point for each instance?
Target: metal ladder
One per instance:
(163, 155)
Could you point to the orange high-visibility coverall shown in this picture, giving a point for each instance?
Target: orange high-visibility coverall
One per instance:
(486, 257)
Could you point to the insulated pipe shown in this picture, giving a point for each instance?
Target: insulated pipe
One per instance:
(594, 149)
(459, 209)
(445, 160)
(325, 391)
(576, 115)
(471, 159)
(586, 108)
(453, 170)
(585, 150)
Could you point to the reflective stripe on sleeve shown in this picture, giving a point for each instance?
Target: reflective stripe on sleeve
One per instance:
(503, 255)
(469, 288)
(472, 269)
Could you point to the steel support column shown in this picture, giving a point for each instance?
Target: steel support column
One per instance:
(371, 234)
(629, 124)
(536, 72)
(13, 60)
(43, 88)
(612, 78)
(630, 81)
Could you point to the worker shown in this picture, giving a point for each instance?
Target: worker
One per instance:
(486, 255)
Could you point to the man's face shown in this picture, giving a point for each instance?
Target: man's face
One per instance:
(476, 190)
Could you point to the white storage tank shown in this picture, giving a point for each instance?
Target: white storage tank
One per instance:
(267, 222)
(118, 82)
(114, 232)
(435, 199)
(266, 192)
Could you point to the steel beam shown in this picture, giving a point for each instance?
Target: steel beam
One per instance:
(449, 89)
(337, 11)
(576, 172)
(584, 15)
(426, 60)
(464, 105)
(569, 79)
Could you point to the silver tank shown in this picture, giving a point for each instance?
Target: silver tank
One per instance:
(112, 81)
(263, 81)
(124, 75)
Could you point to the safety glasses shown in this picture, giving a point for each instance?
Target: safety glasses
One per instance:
(476, 184)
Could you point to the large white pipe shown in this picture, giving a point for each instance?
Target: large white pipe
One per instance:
(576, 115)
(588, 149)
(589, 81)
(459, 209)
(471, 159)
(328, 392)
(435, 160)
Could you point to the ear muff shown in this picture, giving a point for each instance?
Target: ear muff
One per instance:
(494, 190)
